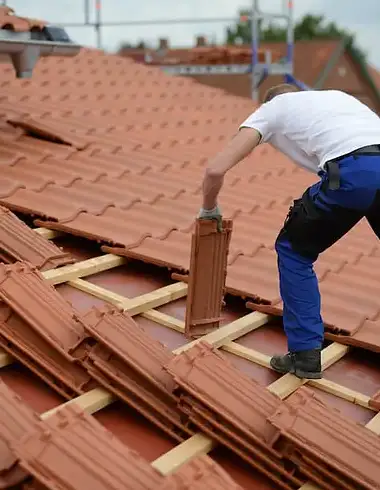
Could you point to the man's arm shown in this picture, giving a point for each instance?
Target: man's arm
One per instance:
(238, 148)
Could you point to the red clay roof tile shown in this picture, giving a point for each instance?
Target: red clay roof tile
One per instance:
(52, 131)
(40, 328)
(230, 407)
(19, 242)
(172, 251)
(256, 273)
(244, 404)
(330, 443)
(16, 419)
(71, 450)
(129, 363)
(207, 277)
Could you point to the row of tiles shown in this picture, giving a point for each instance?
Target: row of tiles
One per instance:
(78, 452)
(147, 374)
(285, 440)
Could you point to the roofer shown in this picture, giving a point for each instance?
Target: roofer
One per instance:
(337, 137)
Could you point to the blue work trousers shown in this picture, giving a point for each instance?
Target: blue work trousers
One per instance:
(315, 222)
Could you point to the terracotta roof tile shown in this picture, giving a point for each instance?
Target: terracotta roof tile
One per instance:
(173, 251)
(71, 450)
(130, 364)
(39, 328)
(16, 420)
(328, 442)
(231, 408)
(50, 131)
(19, 242)
(207, 277)
(255, 273)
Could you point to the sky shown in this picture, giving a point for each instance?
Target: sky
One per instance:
(360, 17)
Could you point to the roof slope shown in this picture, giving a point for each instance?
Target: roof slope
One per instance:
(102, 147)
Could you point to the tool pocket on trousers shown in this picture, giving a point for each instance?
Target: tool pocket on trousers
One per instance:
(304, 227)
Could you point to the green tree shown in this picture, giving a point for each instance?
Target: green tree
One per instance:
(309, 27)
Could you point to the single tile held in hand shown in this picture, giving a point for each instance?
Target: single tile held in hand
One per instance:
(322, 434)
(200, 474)
(72, 451)
(207, 276)
(20, 243)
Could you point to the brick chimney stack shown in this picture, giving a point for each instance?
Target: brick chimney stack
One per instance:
(163, 43)
(201, 41)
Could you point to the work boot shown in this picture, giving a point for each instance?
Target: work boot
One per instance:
(303, 364)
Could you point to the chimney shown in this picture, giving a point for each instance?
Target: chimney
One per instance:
(163, 43)
(201, 41)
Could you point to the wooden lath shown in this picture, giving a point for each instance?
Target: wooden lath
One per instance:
(223, 338)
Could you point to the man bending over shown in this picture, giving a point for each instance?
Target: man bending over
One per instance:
(337, 137)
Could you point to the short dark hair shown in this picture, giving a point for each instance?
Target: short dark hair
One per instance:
(278, 90)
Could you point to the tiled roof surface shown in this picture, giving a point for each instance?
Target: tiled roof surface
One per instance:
(105, 148)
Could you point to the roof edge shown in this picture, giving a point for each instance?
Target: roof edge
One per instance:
(363, 69)
(341, 47)
(24, 53)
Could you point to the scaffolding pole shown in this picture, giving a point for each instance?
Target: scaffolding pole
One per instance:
(259, 71)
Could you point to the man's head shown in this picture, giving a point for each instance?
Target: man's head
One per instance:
(278, 90)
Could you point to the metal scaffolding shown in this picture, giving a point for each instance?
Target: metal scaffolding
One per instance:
(259, 71)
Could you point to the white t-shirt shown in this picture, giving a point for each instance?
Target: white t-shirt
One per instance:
(314, 126)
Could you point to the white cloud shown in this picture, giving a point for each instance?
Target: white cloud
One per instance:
(363, 18)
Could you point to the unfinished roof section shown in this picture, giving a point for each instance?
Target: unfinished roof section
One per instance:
(40, 328)
(19, 242)
(207, 277)
(137, 185)
(72, 451)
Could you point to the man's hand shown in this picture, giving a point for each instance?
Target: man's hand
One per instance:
(214, 214)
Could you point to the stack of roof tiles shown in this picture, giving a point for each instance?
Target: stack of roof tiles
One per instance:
(288, 441)
(105, 148)
(71, 449)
